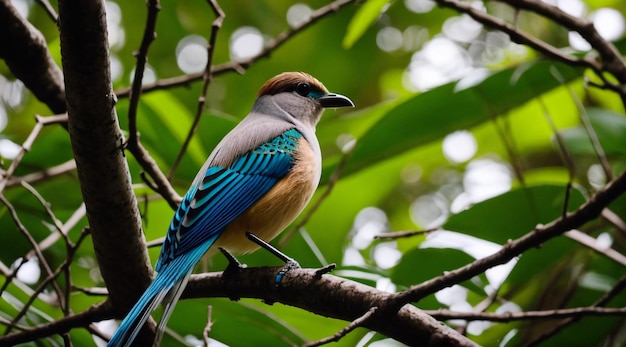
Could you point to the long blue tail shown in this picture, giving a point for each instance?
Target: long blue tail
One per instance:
(167, 287)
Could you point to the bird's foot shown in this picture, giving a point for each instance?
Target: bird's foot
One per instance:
(290, 263)
(233, 268)
(233, 264)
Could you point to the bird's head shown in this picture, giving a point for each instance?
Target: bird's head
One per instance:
(300, 95)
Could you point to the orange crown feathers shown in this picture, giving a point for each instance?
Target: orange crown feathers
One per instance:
(287, 82)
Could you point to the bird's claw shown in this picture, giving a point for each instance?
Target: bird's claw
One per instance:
(290, 263)
(233, 264)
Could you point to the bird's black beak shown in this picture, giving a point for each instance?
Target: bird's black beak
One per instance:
(332, 100)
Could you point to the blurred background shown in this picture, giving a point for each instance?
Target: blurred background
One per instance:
(453, 131)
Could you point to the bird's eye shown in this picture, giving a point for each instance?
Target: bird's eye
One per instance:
(303, 89)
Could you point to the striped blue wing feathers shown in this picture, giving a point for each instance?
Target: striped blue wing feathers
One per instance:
(225, 193)
(208, 207)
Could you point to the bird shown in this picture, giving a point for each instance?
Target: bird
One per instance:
(257, 180)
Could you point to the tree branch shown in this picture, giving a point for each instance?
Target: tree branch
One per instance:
(83, 319)
(345, 331)
(612, 59)
(207, 77)
(97, 141)
(329, 296)
(142, 58)
(25, 52)
(506, 317)
(542, 233)
(237, 66)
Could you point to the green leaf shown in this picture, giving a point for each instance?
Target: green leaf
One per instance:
(610, 128)
(363, 18)
(262, 328)
(175, 119)
(422, 264)
(512, 214)
(540, 261)
(432, 115)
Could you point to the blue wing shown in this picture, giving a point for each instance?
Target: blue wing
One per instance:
(225, 193)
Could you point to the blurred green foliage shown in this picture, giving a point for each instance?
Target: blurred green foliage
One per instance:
(396, 133)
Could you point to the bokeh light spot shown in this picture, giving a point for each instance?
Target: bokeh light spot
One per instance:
(429, 211)
(459, 146)
(191, 53)
(298, 13)
(8, 148)
(389, 39)
(246, 42)
(609, 23)
(486, 178)
(419, 6)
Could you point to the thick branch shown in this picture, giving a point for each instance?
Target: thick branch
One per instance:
(25, 52)
(328, 296)
(97, 144)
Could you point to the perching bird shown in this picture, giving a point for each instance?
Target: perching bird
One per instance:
(258, 179)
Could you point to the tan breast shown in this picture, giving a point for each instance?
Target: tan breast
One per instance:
(279, 207)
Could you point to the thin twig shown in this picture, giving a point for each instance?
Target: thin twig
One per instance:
(42, 261)
(11, 273)
(614, 219)
(506, 317)
(603, 301)
(159, 182)
(517, 35)
(592, 243)
(613, 61)
(49, 10)
(403, 234)
(50, 279)
(236, 66)
(133, 144)
(345, 331)
(591, 133)
(149, 35)
(94, 291)
(71, 250)
(611, 57)
(564, 153)
(26, 146)
(46, 243)
(50, 172)
(207, 328)
(28, 143)
(207, 77)
(16, 326)
(46, 205)
(68, 244)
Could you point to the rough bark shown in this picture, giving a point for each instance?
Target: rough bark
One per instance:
(98, 143)
(25, 52)
(329, 296)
